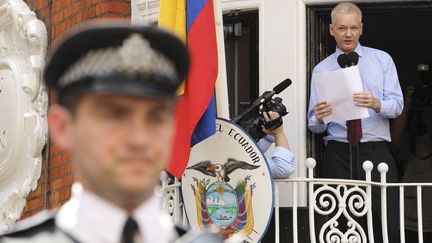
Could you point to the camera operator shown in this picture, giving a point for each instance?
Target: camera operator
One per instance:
(412, 144)
(281, 162)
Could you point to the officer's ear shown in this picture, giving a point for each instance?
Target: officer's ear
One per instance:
(60, 125)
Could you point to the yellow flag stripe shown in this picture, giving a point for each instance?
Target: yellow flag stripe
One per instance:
(172, 17)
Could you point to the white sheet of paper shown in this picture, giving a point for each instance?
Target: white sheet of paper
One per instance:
(337, 88)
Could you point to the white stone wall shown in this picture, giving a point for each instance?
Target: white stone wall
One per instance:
(282, 46)
(23, 106)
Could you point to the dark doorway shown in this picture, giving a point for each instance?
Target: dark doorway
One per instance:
(241, 51)
(401, 29)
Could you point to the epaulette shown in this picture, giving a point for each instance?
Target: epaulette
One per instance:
(180, 230)
(199, 236)
(44, 220)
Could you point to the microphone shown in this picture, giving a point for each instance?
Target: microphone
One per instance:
(282, 86)
(276, 90)
(343, 60)
(353, 58)
(267, 95)
(348, 60)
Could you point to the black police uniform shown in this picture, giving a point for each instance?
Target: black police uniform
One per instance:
(112, 58)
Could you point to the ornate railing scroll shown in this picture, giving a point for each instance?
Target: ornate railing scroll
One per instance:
(344, 202)
(171, 202)
(347, 201)
(23, 106)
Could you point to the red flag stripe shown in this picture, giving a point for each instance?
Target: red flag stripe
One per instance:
(199, 86)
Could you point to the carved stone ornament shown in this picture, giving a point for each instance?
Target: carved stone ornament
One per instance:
(23, 106)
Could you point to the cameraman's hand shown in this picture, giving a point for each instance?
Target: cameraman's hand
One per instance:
(408, 97)
(279, 134)
(407, 101)
(269, 116)
(398, 125)
(321, 110)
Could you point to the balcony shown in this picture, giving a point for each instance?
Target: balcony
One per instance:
(344, 204)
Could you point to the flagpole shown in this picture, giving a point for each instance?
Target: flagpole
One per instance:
(221, 87)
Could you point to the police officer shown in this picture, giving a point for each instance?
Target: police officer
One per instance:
(116, 87)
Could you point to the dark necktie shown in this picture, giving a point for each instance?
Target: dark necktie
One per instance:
(130, 231)
(354, 131)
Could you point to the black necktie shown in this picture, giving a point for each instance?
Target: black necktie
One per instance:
(130, 230)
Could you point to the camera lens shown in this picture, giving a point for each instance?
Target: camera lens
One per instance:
(423, 67)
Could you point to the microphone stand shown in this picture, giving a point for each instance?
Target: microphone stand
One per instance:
(354, 158)
(348, 60)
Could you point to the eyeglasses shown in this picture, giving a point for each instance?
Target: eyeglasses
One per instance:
(345, 29)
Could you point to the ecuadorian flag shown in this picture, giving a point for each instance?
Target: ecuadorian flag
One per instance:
(193, 20)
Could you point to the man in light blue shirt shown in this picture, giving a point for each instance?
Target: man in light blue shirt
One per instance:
(281, 163)
(382, 96)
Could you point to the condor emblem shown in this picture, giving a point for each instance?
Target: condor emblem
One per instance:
(228, 184)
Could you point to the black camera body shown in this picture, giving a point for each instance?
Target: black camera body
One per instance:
(421, 98)
(252, 120)
(252, 123)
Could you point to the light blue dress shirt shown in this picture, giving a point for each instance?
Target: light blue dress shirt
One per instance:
(379, 76)
(281, 163)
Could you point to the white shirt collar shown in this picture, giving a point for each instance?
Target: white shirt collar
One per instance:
(89, 218)
(358, 49)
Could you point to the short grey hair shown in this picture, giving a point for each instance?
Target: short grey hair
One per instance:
(346, 8)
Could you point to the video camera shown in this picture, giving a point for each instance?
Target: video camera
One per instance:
(422, 94)
(252, 118)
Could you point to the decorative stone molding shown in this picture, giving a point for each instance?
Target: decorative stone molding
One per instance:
(145, 12)
(171, 201)
(23, 106)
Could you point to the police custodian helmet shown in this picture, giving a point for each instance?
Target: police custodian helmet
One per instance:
(117, 58)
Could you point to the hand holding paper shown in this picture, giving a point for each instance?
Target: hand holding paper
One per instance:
(321, 110)
(366, 99)
(337, 89)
